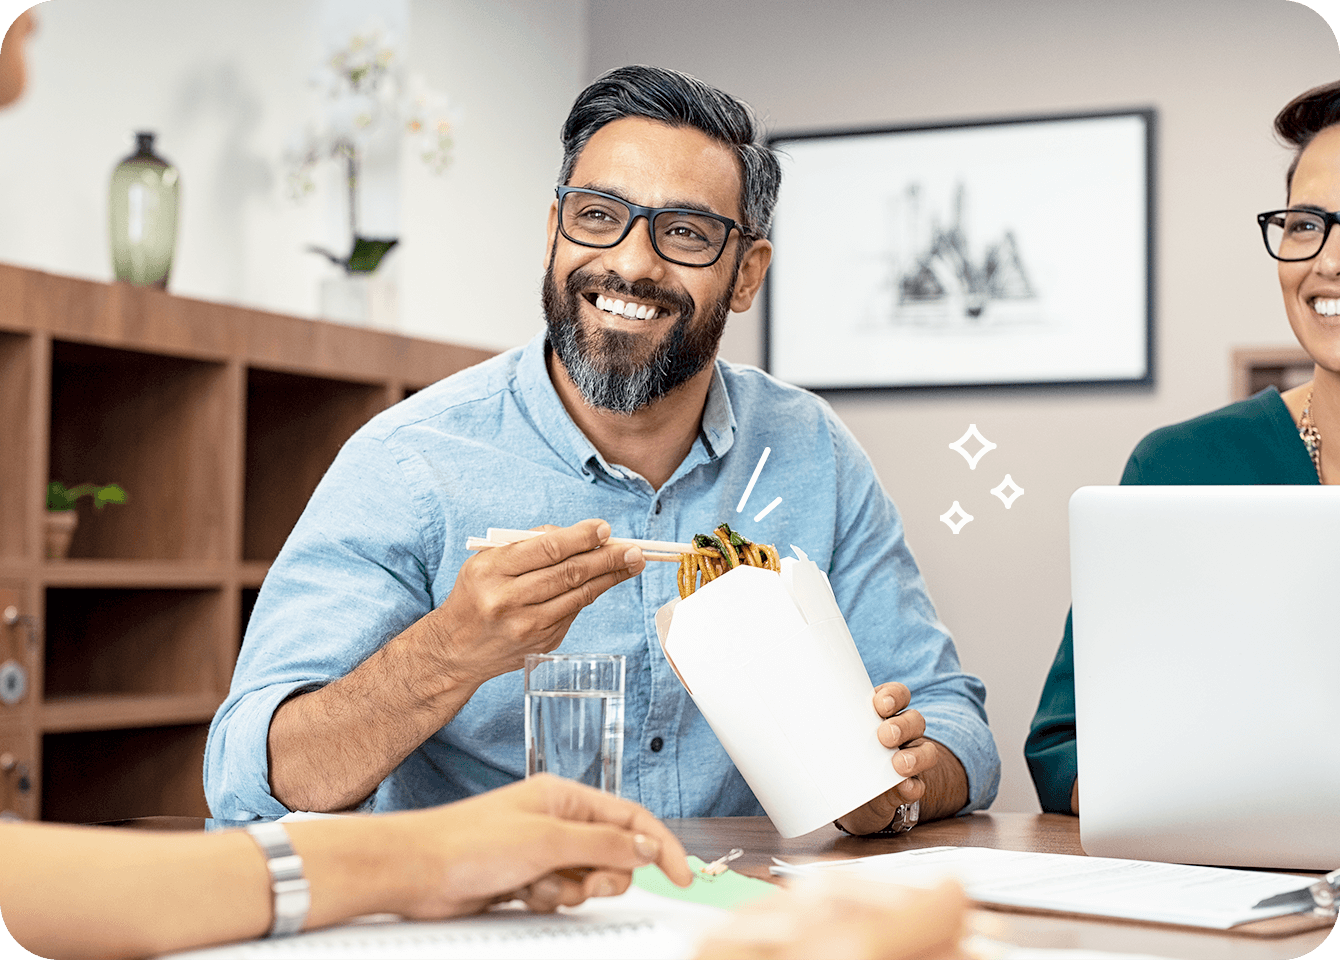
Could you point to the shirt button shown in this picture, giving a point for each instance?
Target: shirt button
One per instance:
(656, 744)
(658, 507)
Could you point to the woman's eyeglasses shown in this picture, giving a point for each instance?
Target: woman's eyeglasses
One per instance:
(1293, 235)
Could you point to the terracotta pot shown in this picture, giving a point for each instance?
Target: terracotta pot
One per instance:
(60, 526)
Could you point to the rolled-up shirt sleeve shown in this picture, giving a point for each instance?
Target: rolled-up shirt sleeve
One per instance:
(349, 578)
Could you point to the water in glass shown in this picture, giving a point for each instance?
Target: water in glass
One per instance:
(576, 734)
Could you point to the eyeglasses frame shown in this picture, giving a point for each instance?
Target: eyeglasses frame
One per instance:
(1329, 219)
(649, 214)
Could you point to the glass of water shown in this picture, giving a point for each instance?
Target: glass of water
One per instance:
(574, 717)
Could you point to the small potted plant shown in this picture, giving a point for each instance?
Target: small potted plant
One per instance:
(61, 517)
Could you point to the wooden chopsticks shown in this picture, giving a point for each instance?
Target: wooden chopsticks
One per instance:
(651, 549)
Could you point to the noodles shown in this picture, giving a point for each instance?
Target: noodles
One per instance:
(722, 550)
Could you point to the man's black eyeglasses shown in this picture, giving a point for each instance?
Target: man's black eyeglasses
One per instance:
(691, 238)
(1293, 235)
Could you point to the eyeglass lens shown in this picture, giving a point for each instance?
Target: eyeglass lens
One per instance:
(683, 236)
(1295, 234)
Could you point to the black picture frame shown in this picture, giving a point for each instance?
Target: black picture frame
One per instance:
(1010, 252)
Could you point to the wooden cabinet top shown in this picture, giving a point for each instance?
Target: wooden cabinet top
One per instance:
(141, 318)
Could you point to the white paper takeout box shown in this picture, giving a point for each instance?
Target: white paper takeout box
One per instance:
(770, 662)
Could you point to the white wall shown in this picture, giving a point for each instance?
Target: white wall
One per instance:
(474, 241)
(1217, 71)
(226, 85)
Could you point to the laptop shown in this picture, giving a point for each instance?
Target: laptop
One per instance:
(1207, 673)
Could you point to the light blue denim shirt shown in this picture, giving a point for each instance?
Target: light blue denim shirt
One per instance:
(384, 535)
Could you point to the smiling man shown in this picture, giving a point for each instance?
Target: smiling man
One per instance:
(381, 666)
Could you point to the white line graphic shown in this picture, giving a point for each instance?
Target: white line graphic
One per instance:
(767, 510)
(749, 488)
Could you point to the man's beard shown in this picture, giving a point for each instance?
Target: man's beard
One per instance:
(605, 365)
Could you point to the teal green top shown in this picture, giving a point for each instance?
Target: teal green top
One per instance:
(1254, 441)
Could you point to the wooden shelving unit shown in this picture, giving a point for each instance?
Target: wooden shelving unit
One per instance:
(218, 421)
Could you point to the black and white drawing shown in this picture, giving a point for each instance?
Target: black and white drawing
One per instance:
(1000, 252)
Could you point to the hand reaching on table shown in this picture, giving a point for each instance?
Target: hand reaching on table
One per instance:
(512, 843)
(84, 892)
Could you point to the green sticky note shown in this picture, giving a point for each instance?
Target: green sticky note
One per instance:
(728, 890)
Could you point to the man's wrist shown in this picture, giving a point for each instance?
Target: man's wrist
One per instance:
(946, 785)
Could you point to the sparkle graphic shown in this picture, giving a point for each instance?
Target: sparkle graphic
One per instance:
(749, 487)
(1015, 493)
(955, 523)
(986, 446)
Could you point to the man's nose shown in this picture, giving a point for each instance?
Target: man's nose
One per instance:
(635, 257)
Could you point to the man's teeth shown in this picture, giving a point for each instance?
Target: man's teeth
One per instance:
(1327, 308)
(633, 311)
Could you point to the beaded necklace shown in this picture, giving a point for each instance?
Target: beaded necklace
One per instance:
(1311, 436)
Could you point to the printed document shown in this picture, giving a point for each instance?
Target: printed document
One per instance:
(1213, 897)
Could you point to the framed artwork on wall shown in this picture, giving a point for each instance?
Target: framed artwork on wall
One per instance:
(988, 253)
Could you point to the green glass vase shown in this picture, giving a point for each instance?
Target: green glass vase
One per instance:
(143, 216)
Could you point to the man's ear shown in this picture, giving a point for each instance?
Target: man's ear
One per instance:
(749, 280)
(550, 230)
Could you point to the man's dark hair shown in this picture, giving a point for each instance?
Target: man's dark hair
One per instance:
(679, 100)
(1305, 116)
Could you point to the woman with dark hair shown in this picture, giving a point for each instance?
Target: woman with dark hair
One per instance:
(1270, 438)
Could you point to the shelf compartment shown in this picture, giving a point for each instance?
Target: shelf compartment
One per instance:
(294, 427)
(159, 426)
(128, 641)
(103, 775)
(16, 441)
(248, 605)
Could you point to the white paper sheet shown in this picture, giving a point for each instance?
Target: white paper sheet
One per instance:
(1213, 897)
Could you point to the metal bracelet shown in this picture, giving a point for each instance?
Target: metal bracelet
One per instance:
(292, 892)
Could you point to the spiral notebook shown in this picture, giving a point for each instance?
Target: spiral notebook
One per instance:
(636, 924)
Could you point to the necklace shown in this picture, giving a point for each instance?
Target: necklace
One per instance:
(1311, 435)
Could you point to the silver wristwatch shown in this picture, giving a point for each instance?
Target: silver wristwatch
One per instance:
(904, 819)
(292, 892)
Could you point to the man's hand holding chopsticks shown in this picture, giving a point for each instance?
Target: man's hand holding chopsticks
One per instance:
(521, 598)
(329, 748)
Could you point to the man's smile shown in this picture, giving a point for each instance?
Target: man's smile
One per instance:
(626, 308)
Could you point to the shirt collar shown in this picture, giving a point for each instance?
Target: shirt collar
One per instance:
(715, 436)
(718, 428)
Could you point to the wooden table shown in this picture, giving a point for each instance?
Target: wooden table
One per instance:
(709, 838)
(1039, 833)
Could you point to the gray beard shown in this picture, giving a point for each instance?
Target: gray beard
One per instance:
(604, 364)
